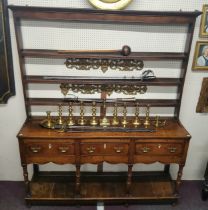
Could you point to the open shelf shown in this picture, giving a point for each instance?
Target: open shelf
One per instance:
(87, 101)
(40, 53)
(109, 187)
(101, 81)
(104, 16)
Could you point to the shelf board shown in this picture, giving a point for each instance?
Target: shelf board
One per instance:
(107, 187)
(102, 81)
(110, 102)
(101, 55)
(104, 16)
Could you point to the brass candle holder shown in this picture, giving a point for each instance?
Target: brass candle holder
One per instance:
(124, 121)
(159, 123)
(104, 121)
(48, 122)
(115, 120)
(93, 121)
(81, 120)
(147, 118)
(136, 121)
(60, 118)
(70, 120)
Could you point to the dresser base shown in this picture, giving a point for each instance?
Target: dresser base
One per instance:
(58, 188)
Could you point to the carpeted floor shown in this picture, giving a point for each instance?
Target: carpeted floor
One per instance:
(12, 198)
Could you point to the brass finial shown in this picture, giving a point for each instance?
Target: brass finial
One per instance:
(147, 118)
(81, 120)
(70, 120)
(136, 121)
(93, 121)
(115, 120)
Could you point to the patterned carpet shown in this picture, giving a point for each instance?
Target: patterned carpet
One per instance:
(12, 198)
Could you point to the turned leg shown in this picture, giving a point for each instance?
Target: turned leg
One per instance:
(77, 187)
(26, 180)
(178, 181)
(129, 179)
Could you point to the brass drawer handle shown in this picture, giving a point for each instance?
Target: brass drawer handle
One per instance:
(90, 150)
(63, 149)
(118, 149)
(35, 149)
(145, 149)
(172, 149)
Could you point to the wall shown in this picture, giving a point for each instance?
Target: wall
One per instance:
(12, 115)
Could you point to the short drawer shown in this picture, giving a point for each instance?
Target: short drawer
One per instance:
(104, 148)
(117, 149)
(92, 149)
(40, 148)
(159, 148)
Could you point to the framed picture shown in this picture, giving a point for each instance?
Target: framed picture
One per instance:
(200, 61)
(204, 22)
(7, 87)
(202, 106)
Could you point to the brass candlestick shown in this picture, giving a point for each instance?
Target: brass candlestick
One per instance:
(124, 121)
(70, 120)
(93, 121)
(81, 120)
(137, 121)
(157, 122)
(104, 121)
(147, 118)
(60, 120)
(115, 120)
(49, 123)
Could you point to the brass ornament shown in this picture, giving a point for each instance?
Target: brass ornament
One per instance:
(81, 120)
(104, 64)
(60, 120)
(93, 121)
(147, 118)
(109, 89)
(64, 88)
(48, 122)
(157, 123)
(124, 121)
(104, 122)
(70, 120)
(136, 121)
(115, 120)
(110, 4)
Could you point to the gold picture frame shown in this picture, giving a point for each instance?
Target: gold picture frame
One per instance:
(110, 4)
(202, 106)
(7, 86)
(204, 22)
(200, 61)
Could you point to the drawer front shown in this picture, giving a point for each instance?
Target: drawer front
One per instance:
(39, 148)
(92, 149)
(159, 149)
(101, 149)
(117, 149)
(49, 151)
(110, 152)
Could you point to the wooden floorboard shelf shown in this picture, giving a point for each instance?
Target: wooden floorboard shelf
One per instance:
(146, 187)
